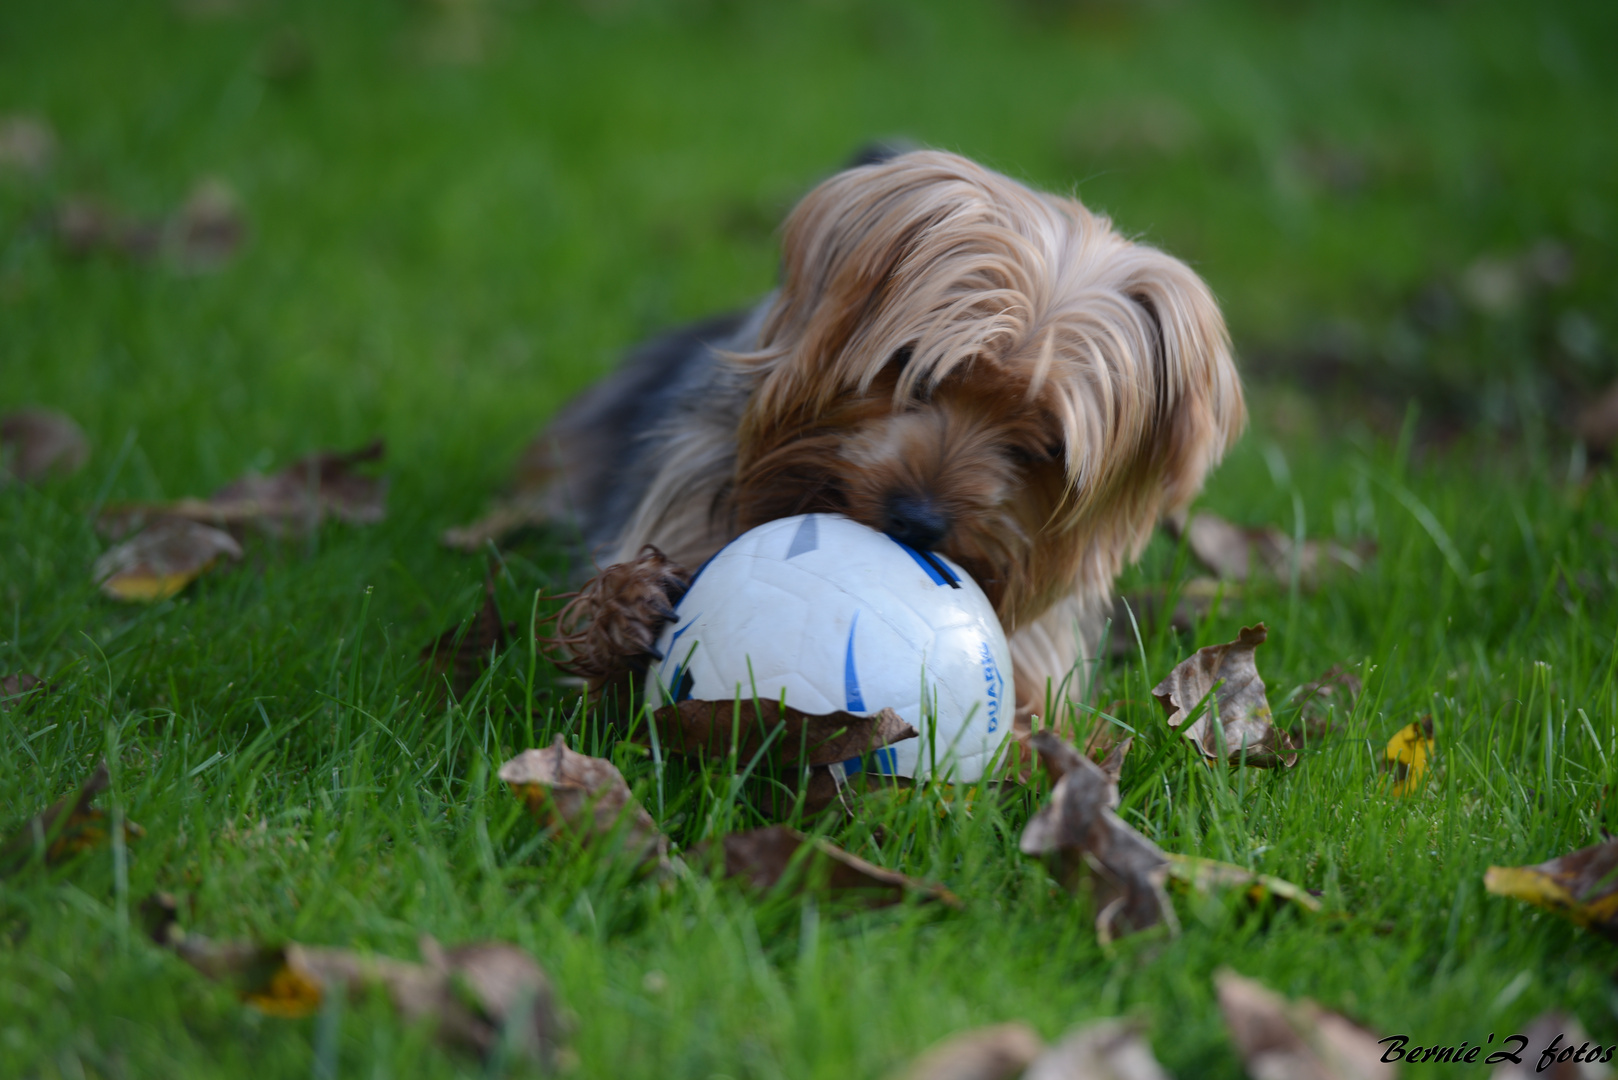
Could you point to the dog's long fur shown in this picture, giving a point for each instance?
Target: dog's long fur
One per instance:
(951, 357)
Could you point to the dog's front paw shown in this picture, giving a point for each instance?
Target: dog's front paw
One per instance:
(610, 629)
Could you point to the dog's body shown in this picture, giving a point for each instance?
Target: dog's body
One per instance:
(951, 358)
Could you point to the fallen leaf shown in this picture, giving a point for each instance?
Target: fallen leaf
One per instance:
(768, 857)
(294, 500)
(1078, 830)
(1323, 702)
(588, 797)
(1211, 875)
(27, 144)
(68, 827)
(1596, 424)
(1407, 755)
(461, 653)
(34, 442)
(85, 225)
(706, 729)
(474, 995)
(1581, 886)
(1554, 1039)
(998, 1052)
(1105, 1050)
(1240, 553)
(162, 560)
(1236, 724)
(1294, 1040)
(209, 228)
(17, 690)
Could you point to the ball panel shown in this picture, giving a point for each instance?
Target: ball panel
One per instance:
(837, 617)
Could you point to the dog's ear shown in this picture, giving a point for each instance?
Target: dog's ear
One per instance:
(1198, 410)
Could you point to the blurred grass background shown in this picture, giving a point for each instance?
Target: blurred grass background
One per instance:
(458, 213)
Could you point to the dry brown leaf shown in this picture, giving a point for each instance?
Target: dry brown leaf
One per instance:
(209, 228)
(706, 728)
(17, 690)
(294, 500)
(1581, 886)
(85, 226)
(1077, 830)
(1240, 553)
(768, 857)
(461, 653)
(1236, 725)
(1105, 1050)
(1596, 424)
(1295, 1040)
(68, 827)
(998, 1052)
(163, 559)
(35, 442)
(27, 144)
(586, 796)
(474, 996)
(1551, 1036)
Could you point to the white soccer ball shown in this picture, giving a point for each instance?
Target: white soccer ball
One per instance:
(830, 616)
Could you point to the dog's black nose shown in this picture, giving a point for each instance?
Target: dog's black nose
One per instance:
(916, 520)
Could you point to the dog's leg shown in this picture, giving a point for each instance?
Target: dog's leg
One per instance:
(609, 630)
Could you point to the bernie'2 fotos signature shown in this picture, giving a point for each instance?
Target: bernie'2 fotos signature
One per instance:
(1512, 1048)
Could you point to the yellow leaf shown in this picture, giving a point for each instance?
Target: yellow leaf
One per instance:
(1206, 875)
(1408, 753)
(150, 587)
(290, 994)
(1581, 886)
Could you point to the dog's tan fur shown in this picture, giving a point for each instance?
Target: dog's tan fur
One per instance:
(941, 330)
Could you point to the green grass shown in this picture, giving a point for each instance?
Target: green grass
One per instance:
(441, 252)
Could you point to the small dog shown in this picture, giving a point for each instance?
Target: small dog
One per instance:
(951, 358)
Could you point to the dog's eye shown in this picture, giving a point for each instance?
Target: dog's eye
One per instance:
(901, 357)
(1024, 455)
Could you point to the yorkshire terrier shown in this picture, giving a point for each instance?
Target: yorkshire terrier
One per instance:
(951, 358)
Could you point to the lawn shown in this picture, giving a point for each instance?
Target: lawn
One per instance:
(458, 213)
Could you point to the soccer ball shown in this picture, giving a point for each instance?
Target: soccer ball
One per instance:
(826, 615)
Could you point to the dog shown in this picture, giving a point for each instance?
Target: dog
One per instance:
(951, 358)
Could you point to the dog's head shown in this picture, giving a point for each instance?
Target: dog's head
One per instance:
(982, 370)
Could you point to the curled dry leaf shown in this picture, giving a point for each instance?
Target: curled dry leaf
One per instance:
(1557, 1049)
(474, 996)
(1581, 886)
(777, 856)
(27, 144)
(36, 442)
(708, 728)
(68, 827)
(1295, 1040)
(998, 1052)
(19, 690)
(1105, 1050)
(461, 653)
(1211, 875)
(1408, 756)
(1236, 726)
(294, 500)
(162, 560)
(588, 797)
(1596, 425)
(209, 228)
(1077, 830)
(1241, 554)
